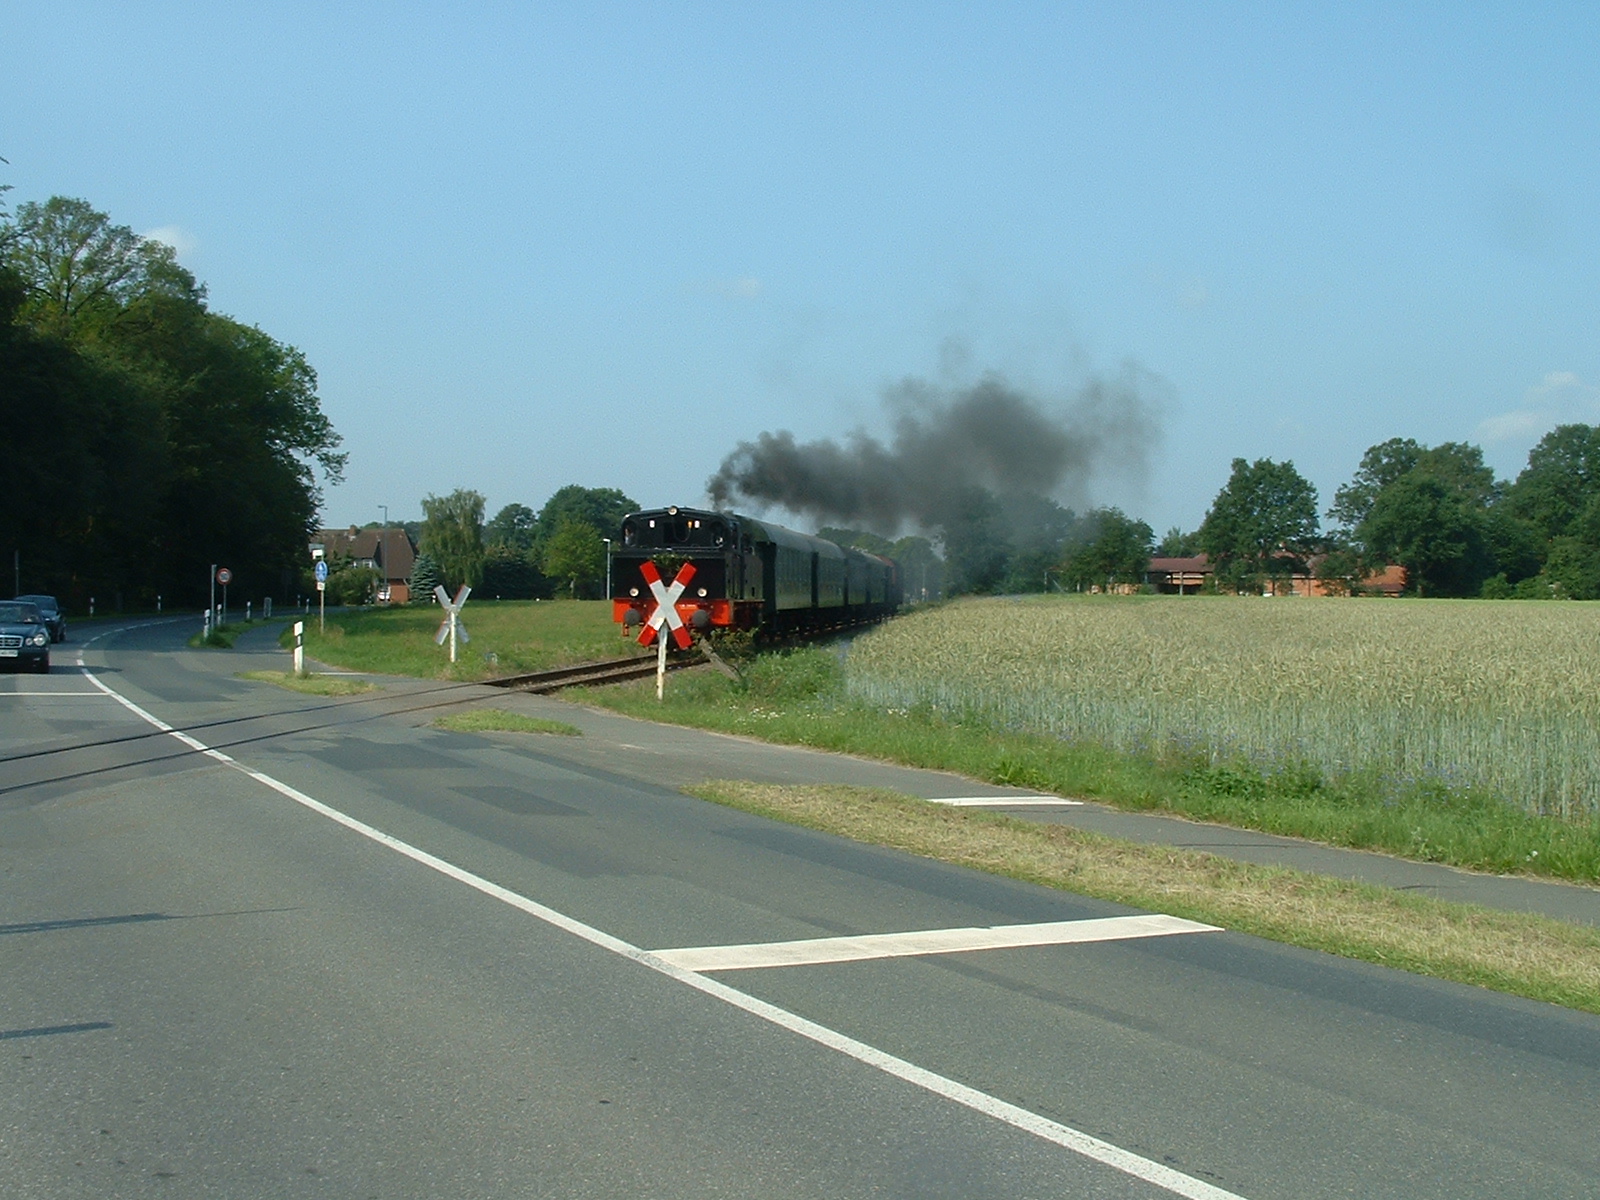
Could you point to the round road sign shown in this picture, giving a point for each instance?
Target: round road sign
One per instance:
(321, 570)
(224, 576)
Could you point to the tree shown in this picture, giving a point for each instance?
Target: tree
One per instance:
(452, 535)
(975, 543)
(1262, 521)
(508, 575)
(1562, 477)
(514, 528)
(1114, 549)
(1433, 531)
(1435, 511)
(79, 269)
(921, 568)
(601, 508)
(575, 553)
(1175, 543)
(424, 577)
(181, 437)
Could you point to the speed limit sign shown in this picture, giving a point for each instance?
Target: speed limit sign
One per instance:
(224, 576)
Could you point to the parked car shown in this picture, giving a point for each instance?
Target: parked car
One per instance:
(54, 619)
(23, 636)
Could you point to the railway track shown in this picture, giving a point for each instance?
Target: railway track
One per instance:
(614, 670)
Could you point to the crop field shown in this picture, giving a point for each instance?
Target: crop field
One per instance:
(1499, 697)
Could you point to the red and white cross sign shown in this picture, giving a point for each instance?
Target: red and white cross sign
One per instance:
(666, 609)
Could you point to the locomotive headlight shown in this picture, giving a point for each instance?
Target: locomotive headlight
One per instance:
(633, 591)
(701, 593)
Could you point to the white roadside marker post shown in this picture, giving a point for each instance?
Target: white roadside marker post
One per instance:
(451, 626)
(299, 648)
(665, 613)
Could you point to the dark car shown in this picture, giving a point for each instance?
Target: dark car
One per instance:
(54, 619)
(23, 636)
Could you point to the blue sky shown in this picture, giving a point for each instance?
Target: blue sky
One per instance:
(531, 245)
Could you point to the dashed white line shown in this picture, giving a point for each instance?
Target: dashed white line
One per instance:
(813, 951)
(1002, 801)
(1083, 1144)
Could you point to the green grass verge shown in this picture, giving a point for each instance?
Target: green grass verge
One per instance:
(798, 699)
(498, 720)
(313, 685)
(1525, 955)
(509, 637)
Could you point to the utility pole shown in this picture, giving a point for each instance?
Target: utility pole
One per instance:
(383, 551)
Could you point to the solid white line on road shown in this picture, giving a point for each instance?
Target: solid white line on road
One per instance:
(1001, 801)
(811, 951)
(1084, 1144)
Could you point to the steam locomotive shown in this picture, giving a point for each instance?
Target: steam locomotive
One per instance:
(748, 574)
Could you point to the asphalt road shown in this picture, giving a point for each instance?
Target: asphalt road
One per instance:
(319, 948)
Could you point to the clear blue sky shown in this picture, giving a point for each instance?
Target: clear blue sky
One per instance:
(527, 245)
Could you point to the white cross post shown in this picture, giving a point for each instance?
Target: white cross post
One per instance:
(665, 613)
(451, 626)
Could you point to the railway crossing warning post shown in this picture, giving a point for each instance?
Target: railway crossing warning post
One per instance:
(451, 627)
(665, 613)
(321, 572)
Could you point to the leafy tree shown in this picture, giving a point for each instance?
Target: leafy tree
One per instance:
(180, 437)
(452, 535)
(860, 539)
(602, 508)
(1436, 511)
(1422, 523)
(1175, 543)
(1562, 477)
(1262, 521)
(514, 528)
(509, 575)
(975, 542)
(354, 585)
(424, 577)
(1114, 549)
(576, 554)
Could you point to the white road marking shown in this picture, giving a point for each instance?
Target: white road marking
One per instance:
(1001, 801)
(1083, 1144)
(811, 951)
(90, 695)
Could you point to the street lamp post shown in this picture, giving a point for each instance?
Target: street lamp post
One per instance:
(607, 541)
(383, 552)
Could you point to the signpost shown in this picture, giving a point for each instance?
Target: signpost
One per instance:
(321, 572)
(665, 613)
(451, 626)
(224, 577)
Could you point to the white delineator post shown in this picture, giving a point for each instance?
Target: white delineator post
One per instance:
(665, 613)
(451, 626)
(299, 647)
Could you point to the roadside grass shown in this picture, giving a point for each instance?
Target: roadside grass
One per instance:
(313, 685)
(509, 637)
(1525, 955)
(499, 720)
(219, 637)
(799, 698)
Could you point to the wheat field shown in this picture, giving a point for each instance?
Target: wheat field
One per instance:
(1502, 696)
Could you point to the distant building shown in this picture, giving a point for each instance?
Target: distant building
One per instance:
(1185, 576)
(386, 550)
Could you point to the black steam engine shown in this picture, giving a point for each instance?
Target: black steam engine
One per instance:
(748, 574)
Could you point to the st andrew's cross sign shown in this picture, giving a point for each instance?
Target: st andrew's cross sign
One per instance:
(666, 610)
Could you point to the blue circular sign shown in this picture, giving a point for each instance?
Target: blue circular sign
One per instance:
(322, 571)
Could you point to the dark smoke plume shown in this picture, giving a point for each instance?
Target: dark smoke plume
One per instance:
(945, 446)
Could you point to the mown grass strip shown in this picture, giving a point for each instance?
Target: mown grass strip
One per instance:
(312, 685)
(499, 720)
(1521, 954)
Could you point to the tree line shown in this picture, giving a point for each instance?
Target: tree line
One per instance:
(147, 436)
